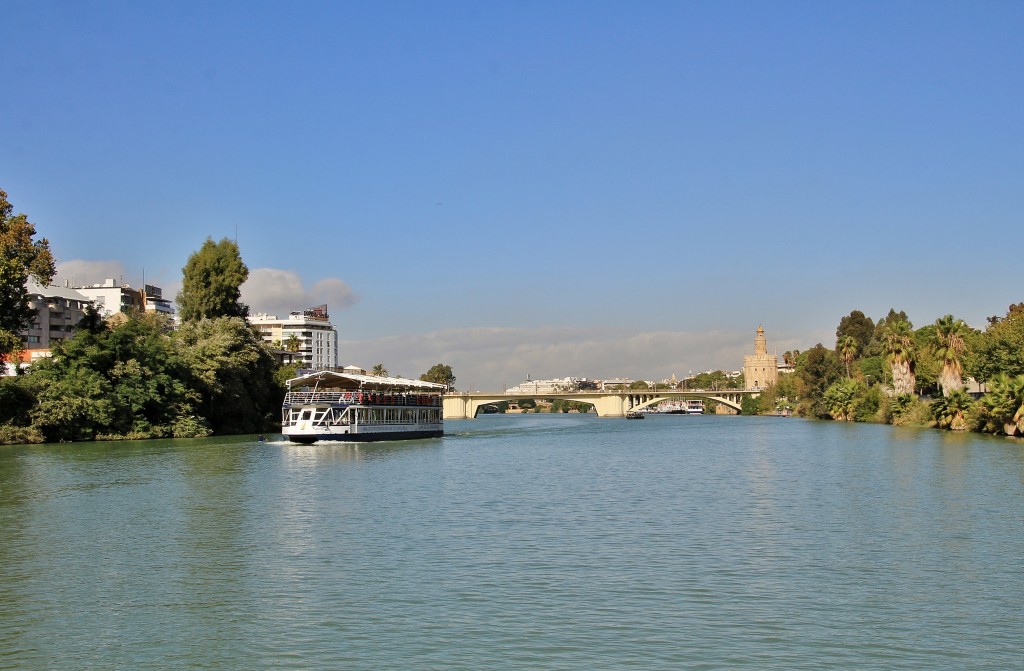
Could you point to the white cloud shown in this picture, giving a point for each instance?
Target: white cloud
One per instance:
(279, 292)
(491, 359)
(78, 272)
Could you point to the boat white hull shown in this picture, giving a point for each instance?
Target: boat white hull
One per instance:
(362, 434)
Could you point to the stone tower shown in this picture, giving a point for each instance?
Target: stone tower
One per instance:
(760, 369)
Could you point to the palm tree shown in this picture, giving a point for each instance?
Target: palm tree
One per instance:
(950, 411)
(949, 344)
(841, 400)
(1005, 404)
(899, 346)
(846, 348)
(293, 344)
(379, 371)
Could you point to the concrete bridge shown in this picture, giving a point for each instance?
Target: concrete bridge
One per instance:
(607, 403)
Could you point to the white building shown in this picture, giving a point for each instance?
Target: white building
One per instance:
(617, 382)
(57, 311)
(555, 386)
(310, 331)
(111, 297)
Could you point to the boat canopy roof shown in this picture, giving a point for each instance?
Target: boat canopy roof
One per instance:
(334, 380)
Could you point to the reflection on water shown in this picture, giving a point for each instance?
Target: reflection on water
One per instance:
(519, 542)
(328, 451)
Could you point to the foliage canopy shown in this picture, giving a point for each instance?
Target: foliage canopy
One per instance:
(20, 258)
(441, 374)
(211, 283)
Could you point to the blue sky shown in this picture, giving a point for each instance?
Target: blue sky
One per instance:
(552, 188)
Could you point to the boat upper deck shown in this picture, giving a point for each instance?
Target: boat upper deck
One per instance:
(335, 397)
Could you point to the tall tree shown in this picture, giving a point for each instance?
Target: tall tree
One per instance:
(20, 257)
(379, 371)
(211, 283)
(858, 327)
(232, 370)
(817, 368)
(949, 340)
(1000, 349)
(441, 374)
(898, 337)
(847, 347)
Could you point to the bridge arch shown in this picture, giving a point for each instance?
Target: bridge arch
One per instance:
(607, 403)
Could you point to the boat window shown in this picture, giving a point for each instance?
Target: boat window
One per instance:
(306, 414)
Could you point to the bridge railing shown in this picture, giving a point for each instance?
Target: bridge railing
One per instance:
(598, 392)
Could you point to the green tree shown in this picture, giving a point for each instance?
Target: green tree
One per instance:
(293, 344)
(842, 399)
(1003, 405)
(856, 326)
(847, 347)
(92, 321)
(927, 363)
(286, 372)
(16, 400)
(1000, 349)
(750, 405)
(950, 410)
(816, 370)
(211, 283)
(898, 337)
(20, 258)
(712, 380)
(233, 372)
(950, 342)
(872, 368)
(74, 405)
(125, 381)
(379, 371)
(869, 402)
(441, 374)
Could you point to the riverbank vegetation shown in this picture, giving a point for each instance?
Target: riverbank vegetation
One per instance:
(134, 376)
(891, 372)
(138, 375)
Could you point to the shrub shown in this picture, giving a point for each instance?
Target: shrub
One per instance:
(19, 435)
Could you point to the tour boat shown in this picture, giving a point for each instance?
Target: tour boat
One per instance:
(326, 405)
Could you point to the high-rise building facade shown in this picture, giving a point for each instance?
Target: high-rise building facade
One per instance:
(307, 333)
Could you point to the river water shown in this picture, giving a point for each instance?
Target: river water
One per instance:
(520, 542)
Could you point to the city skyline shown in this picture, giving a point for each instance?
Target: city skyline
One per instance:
(584, 188)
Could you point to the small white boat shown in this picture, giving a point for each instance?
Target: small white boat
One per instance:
(327, 405)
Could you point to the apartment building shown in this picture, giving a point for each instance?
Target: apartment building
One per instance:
(309, 333)
(57, 311)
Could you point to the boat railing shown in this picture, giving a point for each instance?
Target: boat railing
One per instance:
(360, 398)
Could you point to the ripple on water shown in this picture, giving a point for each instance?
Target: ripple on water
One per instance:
(519, 543)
